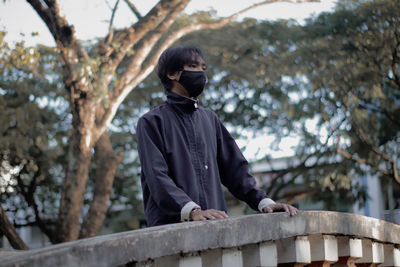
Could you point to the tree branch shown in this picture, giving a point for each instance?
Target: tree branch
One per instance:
(128, 37)
(8, 229)
(284, 184)
(148, 41)
(380, 153)
(110, 27)
(30, 199)
(365, 162)
(57, 24)
(133, 9)
(293, 197)
(64, 36)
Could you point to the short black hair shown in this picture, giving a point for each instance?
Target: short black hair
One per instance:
(174, 59)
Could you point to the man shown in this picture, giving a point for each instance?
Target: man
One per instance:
(186, 152)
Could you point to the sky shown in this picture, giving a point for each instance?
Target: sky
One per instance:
(90, 18)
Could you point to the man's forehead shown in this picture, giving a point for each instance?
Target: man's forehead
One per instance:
(198, 59)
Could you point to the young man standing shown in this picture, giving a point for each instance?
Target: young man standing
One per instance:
(186, 152)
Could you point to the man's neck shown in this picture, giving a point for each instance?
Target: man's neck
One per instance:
(179, 90)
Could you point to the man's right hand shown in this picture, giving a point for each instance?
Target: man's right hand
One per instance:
(202, 215)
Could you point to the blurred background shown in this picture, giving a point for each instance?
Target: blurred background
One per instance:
(310, 91)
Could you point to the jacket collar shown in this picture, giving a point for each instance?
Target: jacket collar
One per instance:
(182, 103)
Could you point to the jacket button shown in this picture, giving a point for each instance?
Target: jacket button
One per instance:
(206, 167)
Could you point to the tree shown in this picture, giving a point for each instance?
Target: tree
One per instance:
(32, 133)
(352, 63)
(97, 81)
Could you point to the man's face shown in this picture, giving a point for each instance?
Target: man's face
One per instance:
(196, 65)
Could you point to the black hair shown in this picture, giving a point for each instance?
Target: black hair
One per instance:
(174, 59)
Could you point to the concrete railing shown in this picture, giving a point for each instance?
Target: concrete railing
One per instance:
(310, 238)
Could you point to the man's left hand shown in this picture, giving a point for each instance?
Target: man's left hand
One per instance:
(281, 207)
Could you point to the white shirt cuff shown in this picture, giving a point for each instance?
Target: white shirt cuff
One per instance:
(185, 211)
(265, 202)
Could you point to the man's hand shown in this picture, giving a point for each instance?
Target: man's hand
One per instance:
(202, 215)
(281, 207)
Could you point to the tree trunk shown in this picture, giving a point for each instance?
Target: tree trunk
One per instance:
(79, 158)
(8, 229)
(107, 162)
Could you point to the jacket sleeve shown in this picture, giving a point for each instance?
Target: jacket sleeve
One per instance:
(234, 170)
(163, 189)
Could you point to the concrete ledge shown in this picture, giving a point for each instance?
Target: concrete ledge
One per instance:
(155, 242)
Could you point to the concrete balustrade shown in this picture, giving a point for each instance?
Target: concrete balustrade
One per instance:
(349, 250)
(324, 250)
(294, 250)
(309, 239)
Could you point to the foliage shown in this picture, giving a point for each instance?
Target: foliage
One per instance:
(32, 131)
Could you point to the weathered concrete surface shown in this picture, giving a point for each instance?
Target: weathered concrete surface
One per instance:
(154, 242)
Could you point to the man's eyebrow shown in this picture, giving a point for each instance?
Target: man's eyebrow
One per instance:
(194, 61)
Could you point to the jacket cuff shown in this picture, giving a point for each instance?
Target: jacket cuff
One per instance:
(185, 211)
(265, 202)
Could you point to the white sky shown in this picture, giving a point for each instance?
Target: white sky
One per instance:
(90, 18)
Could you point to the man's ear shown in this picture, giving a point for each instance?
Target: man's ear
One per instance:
(174, 76)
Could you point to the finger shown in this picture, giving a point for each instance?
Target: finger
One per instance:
(286, 208)
(209, 216)
(268, 209)
(202, 218)
(223, 213)
(220, 214)
(293, 211)
(216, 215)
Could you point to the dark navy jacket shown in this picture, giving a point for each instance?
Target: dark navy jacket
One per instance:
(185, 154)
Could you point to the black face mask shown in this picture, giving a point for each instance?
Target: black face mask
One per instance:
(193, 81)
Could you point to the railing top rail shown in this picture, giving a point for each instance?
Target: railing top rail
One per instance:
(154, 242)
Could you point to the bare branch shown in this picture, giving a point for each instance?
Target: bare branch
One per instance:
(128, 37)
(110, 27)
(380, 153)
(133, 9)
(64, 36)
(293, 197)
(9, 231)
(29, 198)
(50, 13)
(365, 162)
(146, 43)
